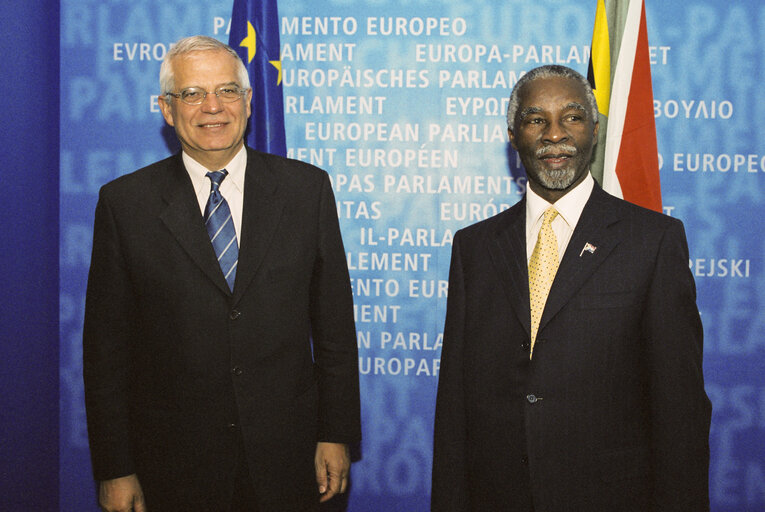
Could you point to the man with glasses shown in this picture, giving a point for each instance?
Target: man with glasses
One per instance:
(220, 358)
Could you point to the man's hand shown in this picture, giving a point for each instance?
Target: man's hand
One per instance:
(122, 494)
(333, 462)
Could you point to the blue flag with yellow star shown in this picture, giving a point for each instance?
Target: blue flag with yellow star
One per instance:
(254, 35)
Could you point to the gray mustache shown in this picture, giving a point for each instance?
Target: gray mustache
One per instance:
(558, 148)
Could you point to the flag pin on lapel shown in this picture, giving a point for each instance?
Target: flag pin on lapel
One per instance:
(588, 247)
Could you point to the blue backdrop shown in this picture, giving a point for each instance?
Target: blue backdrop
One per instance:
(402, 102)
(29, 241)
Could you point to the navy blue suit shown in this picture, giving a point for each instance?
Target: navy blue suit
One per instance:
(611, 413)
(179, 371)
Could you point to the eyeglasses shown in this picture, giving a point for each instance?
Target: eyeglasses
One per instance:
(195, 95)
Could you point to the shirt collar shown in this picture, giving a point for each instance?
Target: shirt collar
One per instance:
(569, 206)
(235, 168)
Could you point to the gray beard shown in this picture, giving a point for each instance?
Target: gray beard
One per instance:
(557, 180)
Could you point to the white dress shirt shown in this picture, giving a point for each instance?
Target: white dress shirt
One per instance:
(569, 209)
(232, 188)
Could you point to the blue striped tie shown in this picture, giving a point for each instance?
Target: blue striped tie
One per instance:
(220, 227)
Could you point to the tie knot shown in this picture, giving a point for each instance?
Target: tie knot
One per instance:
(217, 177)
(549, 215)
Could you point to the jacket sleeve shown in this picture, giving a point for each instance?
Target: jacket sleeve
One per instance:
(109, 310)
(680, 409)
(449, 484)
(333, 330)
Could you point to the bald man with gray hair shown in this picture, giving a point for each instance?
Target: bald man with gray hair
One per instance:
(219, 346)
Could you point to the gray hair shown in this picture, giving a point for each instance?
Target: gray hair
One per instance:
(195, 44)
(549, 71)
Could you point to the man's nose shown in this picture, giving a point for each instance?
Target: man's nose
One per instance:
(555, 133)
(211, 103)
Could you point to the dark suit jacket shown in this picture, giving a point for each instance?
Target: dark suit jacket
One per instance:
(176, 366)
(611, 413)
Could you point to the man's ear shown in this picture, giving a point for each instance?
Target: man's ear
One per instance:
(249, 102)
(166, 108)
(512, 139)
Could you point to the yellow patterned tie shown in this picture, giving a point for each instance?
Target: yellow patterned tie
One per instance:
(542, 267)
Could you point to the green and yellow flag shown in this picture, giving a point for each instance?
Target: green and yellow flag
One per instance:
(626, 160)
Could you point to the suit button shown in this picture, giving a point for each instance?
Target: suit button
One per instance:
(525, 346)
(235, 313)
(524, 460)
(237, 370)
(232, 426)
(532, 399)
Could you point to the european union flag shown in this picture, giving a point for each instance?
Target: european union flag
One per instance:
(254, 35)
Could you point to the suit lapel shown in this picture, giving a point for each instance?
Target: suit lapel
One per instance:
(184, 220)
(507, 249)
(260, 219)
(578, 265)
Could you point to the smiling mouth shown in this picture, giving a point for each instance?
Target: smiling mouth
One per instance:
(556, 155)
(556, 160)
(212, 125)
